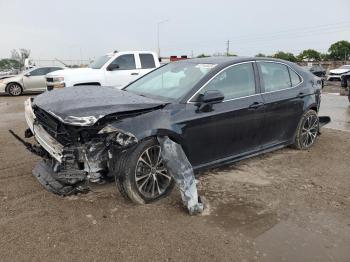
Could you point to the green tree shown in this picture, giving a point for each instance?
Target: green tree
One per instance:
(340, 50)
(260, 55)
(309, 54)
(6, 64)
(285, 56)
(324, 57)
(20, 55)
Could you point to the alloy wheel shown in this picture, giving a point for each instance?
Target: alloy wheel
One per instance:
(309, 131)
(151, 176)
(15, 89)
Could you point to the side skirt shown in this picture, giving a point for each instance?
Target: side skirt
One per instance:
(233, 159)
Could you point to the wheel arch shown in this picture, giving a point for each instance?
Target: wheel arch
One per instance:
(13, 82)
(155, 133)
(313, 107)
(311, 102)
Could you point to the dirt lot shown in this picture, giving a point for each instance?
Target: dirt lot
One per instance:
(283, 206)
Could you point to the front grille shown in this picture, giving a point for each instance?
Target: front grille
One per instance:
(53, 126)
(49, 79)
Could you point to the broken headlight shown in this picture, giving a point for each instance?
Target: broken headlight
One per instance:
(119, 136)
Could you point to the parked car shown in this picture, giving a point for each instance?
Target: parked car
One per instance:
(219, 109)
(335, 74)
(318, 71)
(345, 80)
(345, 83)
(115, 69)
(32, 80)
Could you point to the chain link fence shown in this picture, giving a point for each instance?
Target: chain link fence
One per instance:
(61, 62)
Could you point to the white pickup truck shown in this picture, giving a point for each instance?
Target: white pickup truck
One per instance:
(115, 69)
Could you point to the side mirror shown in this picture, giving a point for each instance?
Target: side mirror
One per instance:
(113, 67)
(212, 97)
(208, 99)
(27, 75)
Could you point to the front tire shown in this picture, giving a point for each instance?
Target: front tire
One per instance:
(141, 175)
(14, 89)
(307, 130)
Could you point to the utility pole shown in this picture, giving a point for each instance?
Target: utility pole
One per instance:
(227, 47)
(158, 24)
(81, 56)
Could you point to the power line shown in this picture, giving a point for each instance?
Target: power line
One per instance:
(298, 30)
(309, 31)
(292, 35)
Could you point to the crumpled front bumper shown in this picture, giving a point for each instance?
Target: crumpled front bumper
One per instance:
(61, 182)
(48, 179)
(51, 145)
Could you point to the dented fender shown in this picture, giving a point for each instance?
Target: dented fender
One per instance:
(154, 123)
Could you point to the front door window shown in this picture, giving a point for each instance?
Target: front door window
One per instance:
(234, 82)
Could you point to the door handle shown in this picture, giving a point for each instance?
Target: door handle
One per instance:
(256, 105)
(134, 74)
(301, 95)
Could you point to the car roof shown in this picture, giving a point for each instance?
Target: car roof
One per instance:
(224, 60)
(130, 51)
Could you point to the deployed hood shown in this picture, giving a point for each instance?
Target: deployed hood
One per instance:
(339, 71)
(85, 105)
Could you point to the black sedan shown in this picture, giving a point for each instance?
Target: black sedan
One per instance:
(219, 110)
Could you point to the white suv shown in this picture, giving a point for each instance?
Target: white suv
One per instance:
(115, 69)
(335, 74)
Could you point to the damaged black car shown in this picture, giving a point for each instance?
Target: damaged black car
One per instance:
(219, 110)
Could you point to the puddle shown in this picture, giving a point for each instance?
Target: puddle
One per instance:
(253, 175)
(249, 220)
(289, 242)
(319, 237)
(337, 107)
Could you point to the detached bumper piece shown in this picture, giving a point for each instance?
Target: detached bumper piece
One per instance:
(324, 120)
(53, 181)
(37, 150)
(181, 170)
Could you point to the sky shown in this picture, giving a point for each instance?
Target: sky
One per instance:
(85, 29)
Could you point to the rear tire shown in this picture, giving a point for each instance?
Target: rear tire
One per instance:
(139, 177)
(307, 130)
(14, 89)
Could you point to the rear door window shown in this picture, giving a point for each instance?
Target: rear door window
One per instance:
(40, 71)
(147, 61)
(52, 69)
(275, 76)
(295, 78)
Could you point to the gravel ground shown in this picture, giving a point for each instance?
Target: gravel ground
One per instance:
(283, 206)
